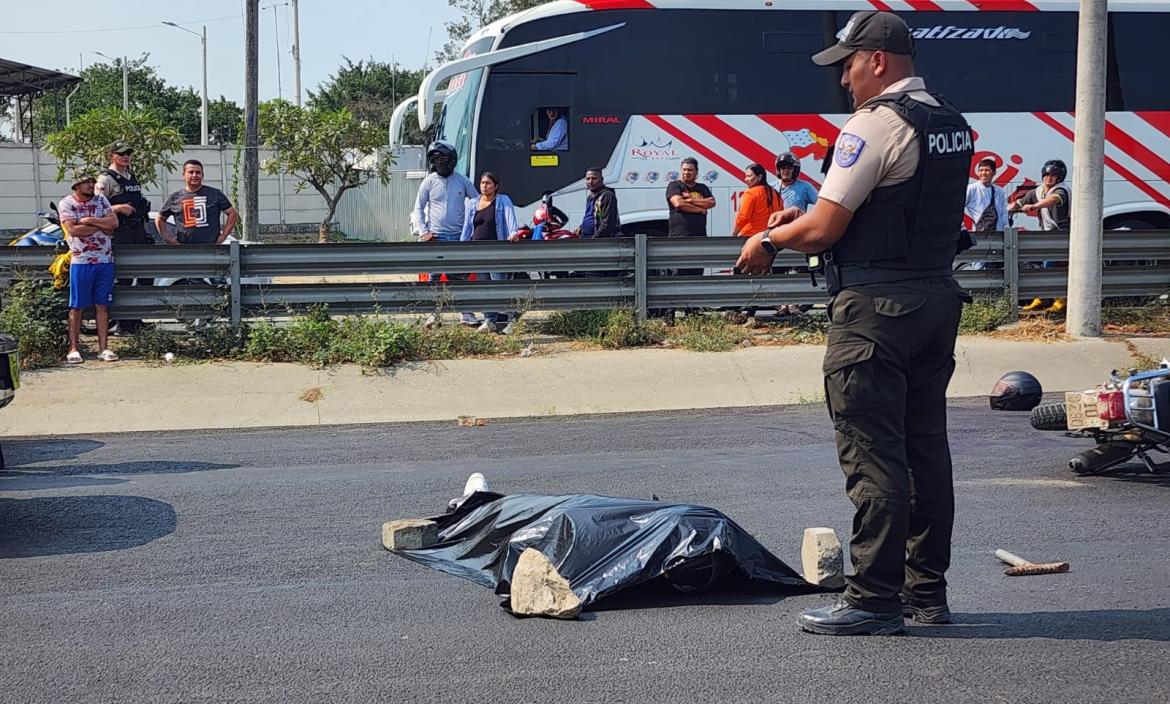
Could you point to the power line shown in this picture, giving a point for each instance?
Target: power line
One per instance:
(121, 29)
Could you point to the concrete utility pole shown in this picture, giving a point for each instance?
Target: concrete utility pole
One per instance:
(251, 131)
(296, 51)
(203, 41)
(1084, 257)
(125, 78)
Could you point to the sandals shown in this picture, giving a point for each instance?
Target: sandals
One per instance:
(73, 357)
(108, 356)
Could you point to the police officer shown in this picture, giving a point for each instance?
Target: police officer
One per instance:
(120, 186)
(886, 226)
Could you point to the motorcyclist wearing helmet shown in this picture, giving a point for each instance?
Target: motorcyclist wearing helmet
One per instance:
(438, 211)
(1050, 201)
(794, 191)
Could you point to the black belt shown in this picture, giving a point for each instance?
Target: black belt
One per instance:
(848, 275)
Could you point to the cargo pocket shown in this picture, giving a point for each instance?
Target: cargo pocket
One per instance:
(850, 386)
(898, 304)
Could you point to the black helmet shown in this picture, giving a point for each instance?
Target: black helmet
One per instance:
(1016, 391)
(788, 159)
(1055, 167)
(441, 157)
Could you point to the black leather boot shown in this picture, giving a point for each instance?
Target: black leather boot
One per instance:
(842, 619)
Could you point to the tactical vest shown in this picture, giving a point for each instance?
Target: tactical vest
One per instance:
(910, 230)
(131, 228)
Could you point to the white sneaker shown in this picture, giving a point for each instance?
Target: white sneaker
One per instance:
(475, 482)
(486, 326)
(510, 328)
(429, 321)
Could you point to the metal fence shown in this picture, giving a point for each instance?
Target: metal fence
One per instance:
(1138, 264)
(377, 212)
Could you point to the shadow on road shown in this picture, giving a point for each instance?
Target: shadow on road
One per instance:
(658, 594)
(19, 452)
(73, 475)
(63, 525)
(1103, 625)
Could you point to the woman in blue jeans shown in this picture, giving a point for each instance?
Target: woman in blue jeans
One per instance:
(490, 217)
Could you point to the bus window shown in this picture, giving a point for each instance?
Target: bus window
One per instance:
(1135, 51)
(457, 119)
(550, 129)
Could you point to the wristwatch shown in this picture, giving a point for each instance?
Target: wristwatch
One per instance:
(766, 243)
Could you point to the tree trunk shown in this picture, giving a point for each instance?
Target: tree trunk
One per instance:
(326, 224)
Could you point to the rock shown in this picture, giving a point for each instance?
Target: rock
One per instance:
(539, 590)
(409, 534)
(822, 559)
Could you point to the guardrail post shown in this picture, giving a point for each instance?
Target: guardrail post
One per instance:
(640, 272)
(1011, 263)
(234, 277)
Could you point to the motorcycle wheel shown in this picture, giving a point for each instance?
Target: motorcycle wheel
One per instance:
(1049, 416)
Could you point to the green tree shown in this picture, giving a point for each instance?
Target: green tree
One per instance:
(224, 120)
(87, 139)
(330, 150)
(102, 88)
(371, 90)
(476, 14)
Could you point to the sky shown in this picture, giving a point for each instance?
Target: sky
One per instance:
(53, 34)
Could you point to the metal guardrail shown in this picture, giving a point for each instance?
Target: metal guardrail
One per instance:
(634, 266)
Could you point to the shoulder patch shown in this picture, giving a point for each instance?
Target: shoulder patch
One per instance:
(849, 147)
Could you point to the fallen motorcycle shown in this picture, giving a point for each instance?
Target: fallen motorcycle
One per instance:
(1128, 416)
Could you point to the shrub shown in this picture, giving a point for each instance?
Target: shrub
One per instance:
(37, 315)
(988, 312)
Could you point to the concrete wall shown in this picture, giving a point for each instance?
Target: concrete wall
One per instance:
(22, 194)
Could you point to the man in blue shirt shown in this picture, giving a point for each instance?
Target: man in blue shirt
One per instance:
(558, 132)
(439, 209)
(795, 192)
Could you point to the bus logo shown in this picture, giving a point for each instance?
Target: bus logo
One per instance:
(953, 32)
(601, 120)
(653, 149)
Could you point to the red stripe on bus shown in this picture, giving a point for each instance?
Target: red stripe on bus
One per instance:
(737, 140)
(1004, 5)
(1158, 120)
(681, 136)
(924, 5)
(617, 4)
(881, 6)
(1137, 151)
(1110, 162)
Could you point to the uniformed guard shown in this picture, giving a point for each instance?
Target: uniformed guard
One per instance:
(886, 228)
(120, 186)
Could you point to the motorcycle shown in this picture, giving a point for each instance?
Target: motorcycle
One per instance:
(1128, 416)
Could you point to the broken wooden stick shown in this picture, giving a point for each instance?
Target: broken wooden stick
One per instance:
(1022, 568)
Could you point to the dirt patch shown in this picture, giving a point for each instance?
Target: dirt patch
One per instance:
(312, 395)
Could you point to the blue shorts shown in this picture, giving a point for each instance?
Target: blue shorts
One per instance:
(91, 284)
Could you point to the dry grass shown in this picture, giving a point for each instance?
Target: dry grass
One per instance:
(312, 395)
(1142, 359)
(1035, 329)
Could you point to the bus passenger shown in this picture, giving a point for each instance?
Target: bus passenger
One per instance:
(557, 139)
(601, 217)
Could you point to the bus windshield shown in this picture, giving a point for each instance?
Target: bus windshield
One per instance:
(457, 118)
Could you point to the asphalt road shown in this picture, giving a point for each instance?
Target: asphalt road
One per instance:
(213, 566)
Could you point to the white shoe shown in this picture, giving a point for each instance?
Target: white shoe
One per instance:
(108, 356)
(429, 321)
(510, 328)
(486, 326)
(475, 482)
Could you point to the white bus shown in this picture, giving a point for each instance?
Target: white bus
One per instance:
(645, 83)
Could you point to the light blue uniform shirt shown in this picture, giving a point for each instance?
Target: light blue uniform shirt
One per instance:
(800, 193)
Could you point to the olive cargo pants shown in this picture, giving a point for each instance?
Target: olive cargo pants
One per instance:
(889, 359)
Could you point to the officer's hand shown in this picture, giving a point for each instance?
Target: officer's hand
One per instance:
(123, 209)
(754, 259)
(784, 216)
(426, 237)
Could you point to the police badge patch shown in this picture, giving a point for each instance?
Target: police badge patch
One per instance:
(849, 147)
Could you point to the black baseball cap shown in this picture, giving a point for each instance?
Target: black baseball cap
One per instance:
(870, 30)
(121, 148)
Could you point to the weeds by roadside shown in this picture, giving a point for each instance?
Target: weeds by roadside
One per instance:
(987, 313)
(36, 314)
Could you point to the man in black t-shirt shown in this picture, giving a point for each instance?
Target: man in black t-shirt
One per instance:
(689, 202)
(196, 210)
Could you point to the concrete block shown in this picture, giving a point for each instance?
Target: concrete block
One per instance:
(822, 558)
(409, 534)
(539, 590)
